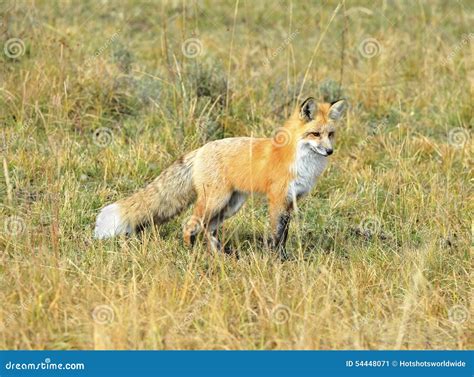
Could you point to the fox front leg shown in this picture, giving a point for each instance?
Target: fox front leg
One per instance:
(191, 230)
(281, 235)
(280, 221)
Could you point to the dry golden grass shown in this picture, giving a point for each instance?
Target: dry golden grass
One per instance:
(99, 98)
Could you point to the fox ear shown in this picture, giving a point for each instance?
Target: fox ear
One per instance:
(307, 109)
(337, 109)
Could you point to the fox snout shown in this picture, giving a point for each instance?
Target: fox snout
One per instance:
(321, 148)
(325, 144)
(324, 151)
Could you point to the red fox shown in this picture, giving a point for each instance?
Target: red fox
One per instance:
(219, 176)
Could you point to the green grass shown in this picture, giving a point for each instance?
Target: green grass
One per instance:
(101, 98)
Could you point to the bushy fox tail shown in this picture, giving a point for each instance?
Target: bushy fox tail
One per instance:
(169, 194)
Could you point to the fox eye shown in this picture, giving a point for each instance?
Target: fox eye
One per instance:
(331, 134)
(317, 134)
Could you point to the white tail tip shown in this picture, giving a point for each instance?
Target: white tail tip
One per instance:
(110, 223)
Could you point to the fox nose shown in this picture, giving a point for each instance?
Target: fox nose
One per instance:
(329, 152)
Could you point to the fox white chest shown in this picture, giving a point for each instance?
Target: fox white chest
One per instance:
(307, 168)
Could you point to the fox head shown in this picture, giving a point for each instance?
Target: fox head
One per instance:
(314, 125)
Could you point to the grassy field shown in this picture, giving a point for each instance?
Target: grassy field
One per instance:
(98, 97)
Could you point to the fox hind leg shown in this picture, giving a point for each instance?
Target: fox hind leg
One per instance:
(208, 208)
(234, 204)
